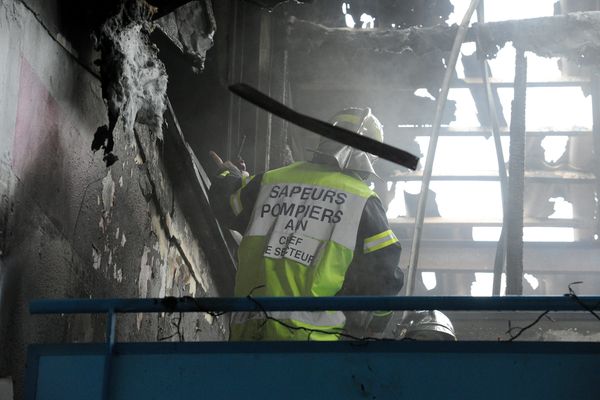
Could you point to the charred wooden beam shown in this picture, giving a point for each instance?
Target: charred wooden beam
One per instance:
(513, 214)
(574, 35)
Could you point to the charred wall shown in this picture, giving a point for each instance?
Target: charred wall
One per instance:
(73, 227)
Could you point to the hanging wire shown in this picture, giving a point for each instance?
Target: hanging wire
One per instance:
(572, 295)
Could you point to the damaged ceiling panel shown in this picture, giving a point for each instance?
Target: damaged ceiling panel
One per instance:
(411, 57)
(401, 14)
(400, 58)
(271, 4)
(191, 28)
(579, 33)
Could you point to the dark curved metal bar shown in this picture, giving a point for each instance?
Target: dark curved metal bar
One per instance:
(325, 129)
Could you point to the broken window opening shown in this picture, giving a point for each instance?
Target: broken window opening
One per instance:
(429, 280)
(562, 208)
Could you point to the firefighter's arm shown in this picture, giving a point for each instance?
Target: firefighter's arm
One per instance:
(232, 194)
(375, 269)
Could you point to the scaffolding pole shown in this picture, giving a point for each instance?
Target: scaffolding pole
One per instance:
(516, 184)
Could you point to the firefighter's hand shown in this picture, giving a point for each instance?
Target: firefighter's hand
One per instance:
(228, 165)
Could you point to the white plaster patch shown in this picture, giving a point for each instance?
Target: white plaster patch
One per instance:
(117, 234)
(97, 257)
(143, 279)
(121, 181)
(163, 279)
(138, 160)
(163, 241)
(108, 192)
(101, 224)
(117, 273)
(191, 286)
(209, 318)
(98, 198)
(110, 258)
(192, 251)
(123, 240)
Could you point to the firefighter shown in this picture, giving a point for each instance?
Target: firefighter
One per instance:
(311, 229)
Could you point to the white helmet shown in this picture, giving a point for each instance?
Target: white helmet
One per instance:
(359, 120)
(428, 325)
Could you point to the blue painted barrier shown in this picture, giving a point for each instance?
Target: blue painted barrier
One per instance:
(313, 370)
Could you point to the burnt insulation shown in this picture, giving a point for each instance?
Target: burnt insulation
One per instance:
(134, 80)
(191, 28)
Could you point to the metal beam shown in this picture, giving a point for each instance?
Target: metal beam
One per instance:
(513, 213)
(343, 303)
(561, 177)
(596, 148)
(478, 132)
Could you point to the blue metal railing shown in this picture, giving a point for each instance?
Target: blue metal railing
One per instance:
(111, 307)
(359, 303)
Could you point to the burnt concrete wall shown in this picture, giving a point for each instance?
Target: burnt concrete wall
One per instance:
(71, 227)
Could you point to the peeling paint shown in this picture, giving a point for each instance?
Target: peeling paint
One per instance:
(163, 241)
(97, 257)
(117, 273)
(191, 286)
(108, 192)
(162, 291)
(143, 279)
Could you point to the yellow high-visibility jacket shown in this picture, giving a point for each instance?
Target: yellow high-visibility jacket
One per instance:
(308, 230)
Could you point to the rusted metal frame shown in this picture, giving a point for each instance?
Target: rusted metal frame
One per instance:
(516, 181)
(427, 170)
(500, 256)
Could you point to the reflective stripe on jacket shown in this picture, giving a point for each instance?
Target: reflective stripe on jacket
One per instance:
(300, 241)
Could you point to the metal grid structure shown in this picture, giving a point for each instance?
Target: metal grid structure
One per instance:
(509, 257)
